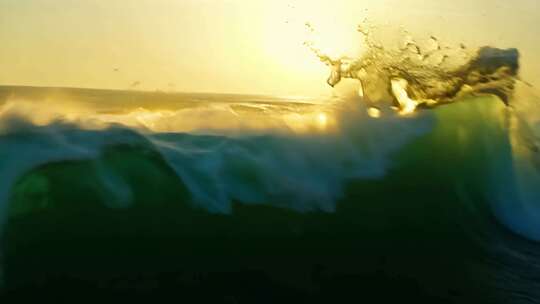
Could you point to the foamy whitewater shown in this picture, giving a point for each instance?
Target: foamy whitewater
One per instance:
(302, 154)
(295, 155)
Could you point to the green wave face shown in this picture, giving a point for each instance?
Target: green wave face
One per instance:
(100, 218)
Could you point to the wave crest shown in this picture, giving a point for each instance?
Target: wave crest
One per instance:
(422, 74)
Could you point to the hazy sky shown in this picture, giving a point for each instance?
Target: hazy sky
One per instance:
(237, 46)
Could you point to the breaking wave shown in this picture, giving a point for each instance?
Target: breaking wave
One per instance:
(480, 141)
(422, 73)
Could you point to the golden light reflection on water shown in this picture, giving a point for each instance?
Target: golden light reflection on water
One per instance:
(374, 112)
(309, 122)
(193, 120)
(322, 119)
(211, 117)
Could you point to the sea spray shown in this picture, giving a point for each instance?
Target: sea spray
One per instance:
(515, 197)
(421, 74)
(427, 74)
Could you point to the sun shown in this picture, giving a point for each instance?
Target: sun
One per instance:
(285, 32)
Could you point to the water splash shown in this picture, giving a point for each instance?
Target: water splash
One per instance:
(421, 74)
(426, 73)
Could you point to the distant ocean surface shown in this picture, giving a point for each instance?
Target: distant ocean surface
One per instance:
(266, 199)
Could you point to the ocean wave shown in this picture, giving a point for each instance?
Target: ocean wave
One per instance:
(425, 73)
(477, 145)
(462, 151)
(305, 171)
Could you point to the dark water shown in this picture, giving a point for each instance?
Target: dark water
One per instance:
(384, 211)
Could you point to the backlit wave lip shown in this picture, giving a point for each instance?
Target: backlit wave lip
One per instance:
(421, 73)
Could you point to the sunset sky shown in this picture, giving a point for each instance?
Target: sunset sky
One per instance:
(235, 46)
